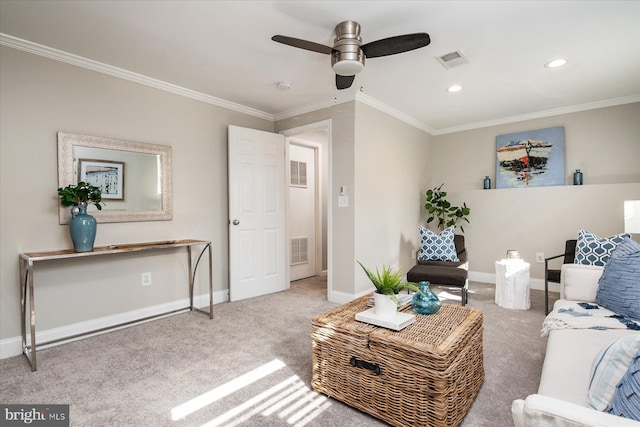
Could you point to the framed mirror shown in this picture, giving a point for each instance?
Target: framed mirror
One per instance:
(135, 177)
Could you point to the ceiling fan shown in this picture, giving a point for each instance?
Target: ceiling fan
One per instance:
(348, 53)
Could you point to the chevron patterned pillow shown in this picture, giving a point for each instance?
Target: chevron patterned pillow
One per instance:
(594, 250)
(437, 247)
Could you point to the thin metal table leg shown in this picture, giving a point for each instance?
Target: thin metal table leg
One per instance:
(210, 281)
(23, 304)
(191, 278)
(32, 316)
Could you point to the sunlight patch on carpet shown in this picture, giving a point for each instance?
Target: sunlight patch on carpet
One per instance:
(290, 400)
(449, 296)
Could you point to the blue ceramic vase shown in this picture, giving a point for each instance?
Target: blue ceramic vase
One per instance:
(486, 183)
(426, 301)
(577, 177)
(82, 227)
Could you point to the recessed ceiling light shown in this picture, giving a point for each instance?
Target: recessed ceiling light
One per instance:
(555, 63)
(454, 88)
(284, 85)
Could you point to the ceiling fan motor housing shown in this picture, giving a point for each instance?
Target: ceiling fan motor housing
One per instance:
(347, 58)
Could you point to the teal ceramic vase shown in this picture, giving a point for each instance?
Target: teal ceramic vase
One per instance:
(82, 228)
(426, 301)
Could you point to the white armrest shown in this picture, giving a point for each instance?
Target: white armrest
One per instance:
(544, 411)
(579, 282)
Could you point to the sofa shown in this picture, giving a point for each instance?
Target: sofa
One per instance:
(563, 396)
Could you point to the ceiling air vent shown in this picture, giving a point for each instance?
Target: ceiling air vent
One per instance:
(452, 59)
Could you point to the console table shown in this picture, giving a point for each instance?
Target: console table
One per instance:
(29, 259)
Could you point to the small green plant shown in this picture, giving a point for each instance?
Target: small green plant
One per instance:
(83, 193)
(438, 207)
(389, 281)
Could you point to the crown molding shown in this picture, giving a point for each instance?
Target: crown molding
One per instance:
(89, 64)
(298, 111)
(358, 96)
(61, 56)
(374, 103)
(541, 114)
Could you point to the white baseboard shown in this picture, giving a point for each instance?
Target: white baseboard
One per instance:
(477, 276)
(537, 284)
(474, 276)
(10, 347)
(345, 297)
(13, 346)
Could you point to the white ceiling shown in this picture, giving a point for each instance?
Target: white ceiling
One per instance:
(223, 50)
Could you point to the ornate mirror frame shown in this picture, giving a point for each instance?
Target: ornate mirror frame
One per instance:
(66, 176)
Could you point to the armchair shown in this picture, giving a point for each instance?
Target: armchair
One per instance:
(446, 273)
(553, 275)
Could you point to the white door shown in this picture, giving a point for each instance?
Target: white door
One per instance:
(257, 221)
(302, 211)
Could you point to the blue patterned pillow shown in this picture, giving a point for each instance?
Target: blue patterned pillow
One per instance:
(437, 247)
(619, 285)
(626, 400)
(594, 250)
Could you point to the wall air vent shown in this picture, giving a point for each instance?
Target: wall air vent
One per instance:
(299, 253)
(452, 59)
(298, 174)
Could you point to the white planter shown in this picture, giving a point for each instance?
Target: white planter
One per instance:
(385, 306)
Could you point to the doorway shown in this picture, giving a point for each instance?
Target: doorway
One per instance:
(301, 220)
(309, 144)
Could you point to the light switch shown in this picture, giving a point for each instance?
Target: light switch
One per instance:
(343, 201)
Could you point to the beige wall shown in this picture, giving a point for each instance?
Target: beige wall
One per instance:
(341, 153)
(380, 161)
(603, 143)
(41, 97)
(390, 180)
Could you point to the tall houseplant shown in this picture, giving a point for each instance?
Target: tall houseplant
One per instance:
(438, 207)
(82, 226)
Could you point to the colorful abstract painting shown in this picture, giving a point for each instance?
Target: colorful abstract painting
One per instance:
(530, 159)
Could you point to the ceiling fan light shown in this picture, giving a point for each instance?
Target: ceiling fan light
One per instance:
(347, 67)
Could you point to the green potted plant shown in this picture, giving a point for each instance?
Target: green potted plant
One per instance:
(388, 283)
(82, 193)
(438, 207)
(82, 226)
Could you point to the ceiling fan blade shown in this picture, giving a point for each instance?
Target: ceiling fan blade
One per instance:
(397, 44)
(344, 82)
(303, 44)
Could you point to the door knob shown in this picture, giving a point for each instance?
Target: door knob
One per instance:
(236, 222)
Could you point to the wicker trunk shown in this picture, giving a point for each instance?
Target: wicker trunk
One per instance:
(424, 375)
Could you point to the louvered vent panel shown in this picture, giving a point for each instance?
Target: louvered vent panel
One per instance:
(294, 173)
(298, 174)
(299, 254)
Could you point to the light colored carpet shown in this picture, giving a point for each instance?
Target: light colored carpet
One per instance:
(250, 366)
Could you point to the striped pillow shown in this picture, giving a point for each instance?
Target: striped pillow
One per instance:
(626, 400)
(608, 368)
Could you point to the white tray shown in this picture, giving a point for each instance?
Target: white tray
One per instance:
(396, 323)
